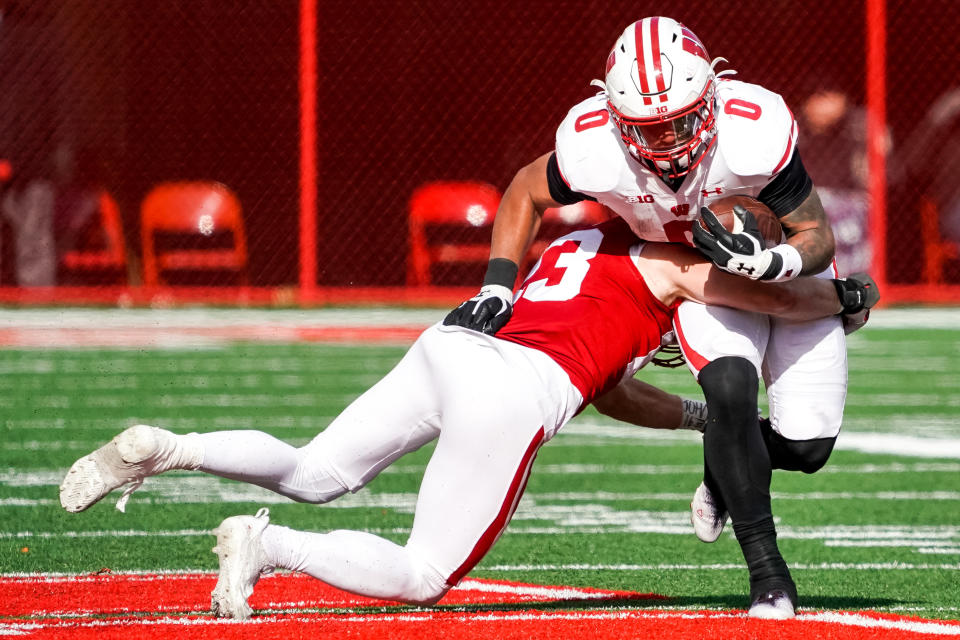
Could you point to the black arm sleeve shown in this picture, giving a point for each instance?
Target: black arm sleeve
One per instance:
(788, 189)
(559, 189)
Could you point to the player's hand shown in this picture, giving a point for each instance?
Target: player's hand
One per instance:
(487, 311)
(740, 253)
(857, 293)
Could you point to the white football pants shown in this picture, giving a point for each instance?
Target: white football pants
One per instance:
(802, 364)
(489, 403)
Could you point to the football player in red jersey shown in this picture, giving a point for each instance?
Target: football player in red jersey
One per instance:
(490, 402)
(664, 137)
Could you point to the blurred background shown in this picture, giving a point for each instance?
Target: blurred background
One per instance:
(271, 152)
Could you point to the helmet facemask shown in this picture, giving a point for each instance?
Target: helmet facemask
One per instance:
(671, 145)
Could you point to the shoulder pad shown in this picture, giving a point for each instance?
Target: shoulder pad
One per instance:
(589, 149)
(756, 132)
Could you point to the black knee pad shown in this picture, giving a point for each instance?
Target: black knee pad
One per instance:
(807, 456)
(730, 387)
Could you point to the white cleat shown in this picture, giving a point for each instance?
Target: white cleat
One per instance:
(708, 520)
(242, 561)
(134, 454)
(772, 605)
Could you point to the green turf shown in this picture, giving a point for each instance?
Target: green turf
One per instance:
(873, 530)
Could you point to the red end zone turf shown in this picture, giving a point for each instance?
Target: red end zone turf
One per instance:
(292, 606)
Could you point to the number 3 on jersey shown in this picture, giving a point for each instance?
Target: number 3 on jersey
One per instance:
(574, 265)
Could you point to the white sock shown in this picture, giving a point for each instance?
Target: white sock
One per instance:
(166, 450)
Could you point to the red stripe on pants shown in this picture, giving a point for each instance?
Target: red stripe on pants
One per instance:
(509, 505)
(695, 359)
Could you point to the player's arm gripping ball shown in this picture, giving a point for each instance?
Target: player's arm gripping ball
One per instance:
(490, 309)
(743, 253)
(858, 293)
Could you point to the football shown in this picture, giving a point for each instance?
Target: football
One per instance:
(767, 221)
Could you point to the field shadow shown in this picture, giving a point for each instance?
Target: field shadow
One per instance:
(740, 601)
(640, 601)
(574, 604)
(849, 603)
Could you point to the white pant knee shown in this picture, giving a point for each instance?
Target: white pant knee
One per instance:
(426, 585)
(811, 420)
(312, 482)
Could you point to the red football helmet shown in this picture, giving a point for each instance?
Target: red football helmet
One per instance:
(660, 88)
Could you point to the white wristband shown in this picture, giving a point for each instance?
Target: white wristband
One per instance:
(792, 263)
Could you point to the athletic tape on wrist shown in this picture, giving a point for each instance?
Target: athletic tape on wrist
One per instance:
(792, 263)
(694, 415)
(501, 271)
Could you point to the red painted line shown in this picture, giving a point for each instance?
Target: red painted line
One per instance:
(184, 593)
(166, 296)
(108, 607)
(149, 337)
(554, 625)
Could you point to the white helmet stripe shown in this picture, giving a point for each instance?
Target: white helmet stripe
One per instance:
(655, 58)
(640, 36)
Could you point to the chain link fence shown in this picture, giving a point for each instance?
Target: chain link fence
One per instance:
(123, 95)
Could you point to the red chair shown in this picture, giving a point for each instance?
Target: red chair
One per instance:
(112, 252)
(467, 205)
(194, 209)
(562, 220)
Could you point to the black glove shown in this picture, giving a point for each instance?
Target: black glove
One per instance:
(740, 253)
(490, 309)
(858, 293)
(487, 311)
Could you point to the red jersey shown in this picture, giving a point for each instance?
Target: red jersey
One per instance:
(586, 306)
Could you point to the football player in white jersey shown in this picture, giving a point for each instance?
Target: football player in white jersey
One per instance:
(597, 291)
(665, 136)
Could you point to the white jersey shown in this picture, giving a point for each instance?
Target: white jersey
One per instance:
(802, 364)
(756, 137)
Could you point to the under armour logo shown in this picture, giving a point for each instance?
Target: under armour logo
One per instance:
(744, 268)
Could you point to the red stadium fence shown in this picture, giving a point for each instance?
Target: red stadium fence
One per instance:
(324, 117)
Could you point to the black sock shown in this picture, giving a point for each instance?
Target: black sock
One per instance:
(736, 463)
(737, 469)
(768, 571)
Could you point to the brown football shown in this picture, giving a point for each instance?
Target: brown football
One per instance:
(768, 222)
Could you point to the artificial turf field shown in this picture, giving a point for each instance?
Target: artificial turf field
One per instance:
(605, 513)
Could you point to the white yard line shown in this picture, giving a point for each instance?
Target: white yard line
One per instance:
(801, 566)
(68, 317)
(595, 519)
(866, 442)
